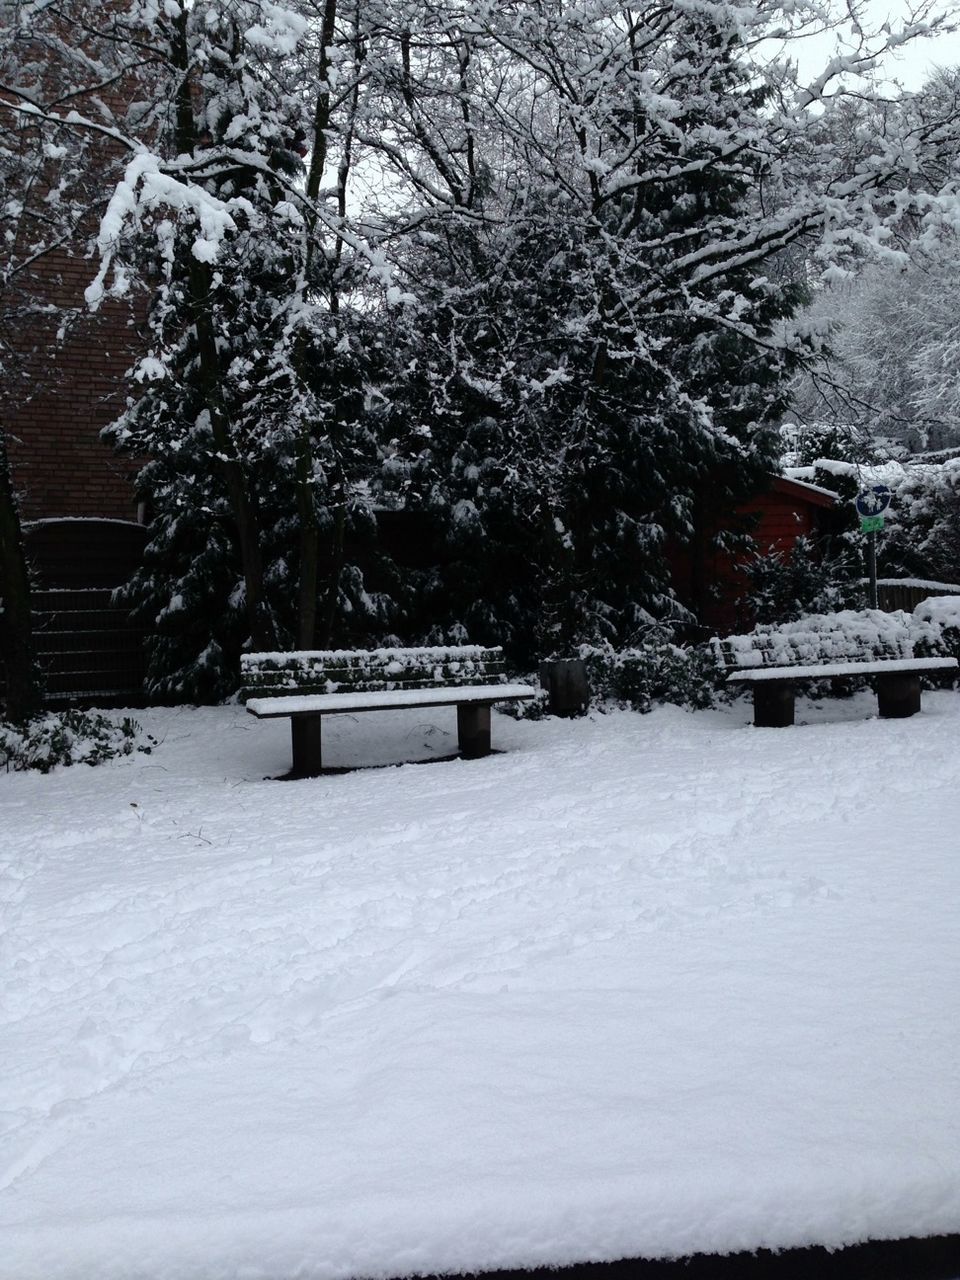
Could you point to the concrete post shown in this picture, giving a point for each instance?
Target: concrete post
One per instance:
(473, 729)
(307, 757)
(898, 695)
(773, 704)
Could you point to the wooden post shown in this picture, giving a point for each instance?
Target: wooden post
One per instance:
(898, 695)
(773, 704)
(473, 729)
(307, 756)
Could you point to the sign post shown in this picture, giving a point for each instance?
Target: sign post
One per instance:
(871, 504)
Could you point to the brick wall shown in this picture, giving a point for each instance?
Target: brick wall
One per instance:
(62, 382)
(66, 392)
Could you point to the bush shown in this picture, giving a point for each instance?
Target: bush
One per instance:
(784, 588)
(941, 615)
(922, 538)
(68, 737)
(657, 671)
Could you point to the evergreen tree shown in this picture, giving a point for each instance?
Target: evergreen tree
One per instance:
(587, 390)
(251, 404)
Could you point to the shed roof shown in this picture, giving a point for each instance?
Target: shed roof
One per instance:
(804, 491)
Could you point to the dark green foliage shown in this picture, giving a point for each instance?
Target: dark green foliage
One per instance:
(838, 442)
(653, 672)
(574, 393)
(783, 588)
(69, 737)
(922, 539)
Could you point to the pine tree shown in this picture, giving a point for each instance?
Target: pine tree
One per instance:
(586, 390)
(251, 403)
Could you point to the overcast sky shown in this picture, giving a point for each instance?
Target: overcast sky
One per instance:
(912, 66)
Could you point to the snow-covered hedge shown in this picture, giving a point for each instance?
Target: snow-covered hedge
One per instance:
(835, 637)
(943, 614)
(939, 611)
(336, 670)
(646, 674)
(931, 631)
(68, 737)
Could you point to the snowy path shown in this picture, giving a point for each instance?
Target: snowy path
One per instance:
(640, 985)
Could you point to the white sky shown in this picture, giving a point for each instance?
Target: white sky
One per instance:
(912, 66)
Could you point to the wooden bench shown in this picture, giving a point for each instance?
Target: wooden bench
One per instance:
(308, 685)
(774, 660)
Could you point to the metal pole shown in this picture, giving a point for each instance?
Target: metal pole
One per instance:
(872, 568)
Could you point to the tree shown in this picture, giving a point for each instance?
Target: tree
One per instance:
(250, 399)
(598, 352)
(895, 349)
(890, 324)
(561, 291)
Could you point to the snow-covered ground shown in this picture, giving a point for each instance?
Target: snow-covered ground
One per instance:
(636, 986)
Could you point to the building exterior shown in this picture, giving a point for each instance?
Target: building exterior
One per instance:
(64, 383)
(713, 582)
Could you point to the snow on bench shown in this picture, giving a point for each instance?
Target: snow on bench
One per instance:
(310, 684)
(869, 642)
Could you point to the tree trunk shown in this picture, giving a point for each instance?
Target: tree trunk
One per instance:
(337, 558)
(306, 505)
(242, 501)
(23, 696)
(200, 276)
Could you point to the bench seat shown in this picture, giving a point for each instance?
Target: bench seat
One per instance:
(332, 704)
(828, 670)
(306, 686)
(774, 660)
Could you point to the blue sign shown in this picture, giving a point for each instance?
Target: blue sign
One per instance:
(873, 501)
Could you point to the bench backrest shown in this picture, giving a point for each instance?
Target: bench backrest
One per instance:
(866, 635)
(369, 670)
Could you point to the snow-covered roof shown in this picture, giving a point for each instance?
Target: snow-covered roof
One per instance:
(814, 493)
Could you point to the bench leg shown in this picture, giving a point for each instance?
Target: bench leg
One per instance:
(773, 704)
(473, 729)
(898, 695)
(305, 733)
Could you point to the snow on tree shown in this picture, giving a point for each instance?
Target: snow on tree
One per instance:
(600, 348)
(893, 341)
(249, 400)
(531, 262)
(895, 346)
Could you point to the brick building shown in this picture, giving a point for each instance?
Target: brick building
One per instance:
(62, 366)
(63, 381)
(64, 393)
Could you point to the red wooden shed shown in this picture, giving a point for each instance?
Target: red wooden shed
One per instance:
(712, 582)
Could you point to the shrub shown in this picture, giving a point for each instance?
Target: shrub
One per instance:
(941, 615)
(656, 671)
(922, 537)
(68, 737)
(784, 588)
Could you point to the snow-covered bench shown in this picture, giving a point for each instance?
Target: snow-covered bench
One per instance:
(310, 684)
(867, 643)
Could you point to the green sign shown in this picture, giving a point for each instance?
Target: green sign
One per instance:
(871, 524)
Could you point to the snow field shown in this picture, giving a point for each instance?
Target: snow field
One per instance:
(636, 986)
